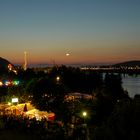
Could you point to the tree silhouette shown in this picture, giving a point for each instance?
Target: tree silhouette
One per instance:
(123, 123)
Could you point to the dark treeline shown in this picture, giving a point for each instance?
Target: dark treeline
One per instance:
(123, 123)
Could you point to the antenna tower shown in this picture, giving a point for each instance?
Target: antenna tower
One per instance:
(25, 61)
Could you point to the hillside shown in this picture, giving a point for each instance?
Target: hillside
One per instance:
(4, 63)
(129, 63)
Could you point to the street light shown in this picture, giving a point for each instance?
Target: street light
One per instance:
(84, 115)
(57, 78)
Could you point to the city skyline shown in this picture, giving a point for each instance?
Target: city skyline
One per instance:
(70, 31)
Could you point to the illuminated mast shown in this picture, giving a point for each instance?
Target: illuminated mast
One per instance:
(25, 61)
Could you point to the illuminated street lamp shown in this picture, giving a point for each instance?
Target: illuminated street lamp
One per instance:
(1, 84)
(57, 78)
(84, 115)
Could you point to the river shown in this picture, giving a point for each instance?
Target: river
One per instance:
(131, 84)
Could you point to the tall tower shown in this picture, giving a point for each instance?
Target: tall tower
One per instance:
(25, 61)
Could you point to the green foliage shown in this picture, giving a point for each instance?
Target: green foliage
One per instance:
(45, 91)
(113, 86)
(77, 80)
(123, 123)
(106, 96)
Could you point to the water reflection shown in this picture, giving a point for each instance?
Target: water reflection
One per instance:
(131, 84)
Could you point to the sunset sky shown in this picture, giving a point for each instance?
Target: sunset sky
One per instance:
(91, 31)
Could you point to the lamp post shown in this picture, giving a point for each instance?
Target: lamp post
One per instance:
(57, 78)
(84, 115)
(86, 134)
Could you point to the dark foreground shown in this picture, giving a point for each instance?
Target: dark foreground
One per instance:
(15, 135)
(19, 128)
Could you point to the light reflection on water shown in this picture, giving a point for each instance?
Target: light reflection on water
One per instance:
(131, 84)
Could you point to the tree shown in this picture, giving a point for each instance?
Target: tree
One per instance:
(113, 87)
(47, 93)
(122, 124)
(106, 96)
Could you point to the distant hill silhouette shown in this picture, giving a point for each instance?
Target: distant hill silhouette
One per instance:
(129, 63)
(4, 64)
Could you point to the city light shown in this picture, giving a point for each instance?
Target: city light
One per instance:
(57, 78)
(1, 84)
(15, 82)
(84, 114)
(7, 83)
(9, 103)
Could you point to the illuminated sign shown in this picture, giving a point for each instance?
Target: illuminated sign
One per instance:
(14, 100)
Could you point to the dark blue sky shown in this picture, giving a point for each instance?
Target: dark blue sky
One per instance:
(92, 31)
